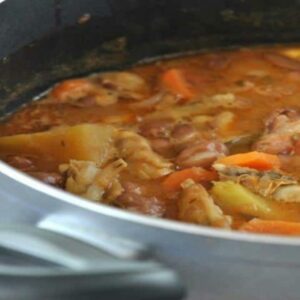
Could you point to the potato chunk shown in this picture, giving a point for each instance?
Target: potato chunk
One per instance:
(234, 198)
(91, 142)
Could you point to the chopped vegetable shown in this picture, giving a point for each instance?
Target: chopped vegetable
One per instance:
(269, 184)
(291, 52)
(255, 160)
(272, 227)
(174, 80)
(198, 174)
(91, 142)
(235, 198)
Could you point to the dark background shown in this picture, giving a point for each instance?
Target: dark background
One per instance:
(42, 42)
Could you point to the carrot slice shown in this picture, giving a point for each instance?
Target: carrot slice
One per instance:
(174, 180)
(174, 80)
(272, 227)
(255, 160)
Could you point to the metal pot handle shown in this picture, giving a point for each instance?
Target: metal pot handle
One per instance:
(39, 264)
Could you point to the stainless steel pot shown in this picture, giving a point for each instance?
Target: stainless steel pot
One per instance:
(212, 264)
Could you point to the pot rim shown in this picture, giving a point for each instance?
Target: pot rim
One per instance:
(145, 220)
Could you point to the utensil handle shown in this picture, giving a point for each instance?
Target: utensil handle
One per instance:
(39, 264)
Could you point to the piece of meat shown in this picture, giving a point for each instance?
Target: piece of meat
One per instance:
(195, 205)
(127, 85)
(142, 161)
(114, 191)
(99, 90)
(156, 128)
(166, 137)
(282, 130)
(162, 146)
(100, 97)
(88, 180)
(183, 134)
(275, 144)
(133, 199)
(82, 93)
(201, 154)
(280, 118)
(87, 101)
(288, 194)
(71, 90)
(50, 178)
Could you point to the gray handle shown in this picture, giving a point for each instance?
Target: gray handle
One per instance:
(40, 264)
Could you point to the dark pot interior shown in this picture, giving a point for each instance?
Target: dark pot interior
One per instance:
(45, 41)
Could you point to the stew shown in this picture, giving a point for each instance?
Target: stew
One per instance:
(211, 139)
